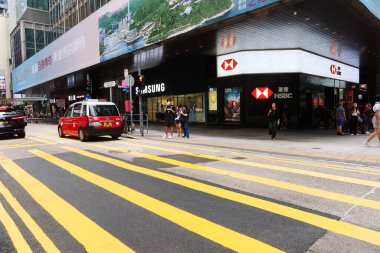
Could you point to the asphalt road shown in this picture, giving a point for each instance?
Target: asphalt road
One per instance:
(177, 195)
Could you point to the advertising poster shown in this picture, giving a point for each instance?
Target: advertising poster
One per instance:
(232, 104)
(144, 22)
(212, 100)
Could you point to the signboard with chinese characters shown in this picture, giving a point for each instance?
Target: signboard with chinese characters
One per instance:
(283, 93)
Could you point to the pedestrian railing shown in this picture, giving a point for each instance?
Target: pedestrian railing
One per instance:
(131, 125)
(42, 120)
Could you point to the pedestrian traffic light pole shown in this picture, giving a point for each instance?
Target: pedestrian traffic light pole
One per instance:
(140, 105)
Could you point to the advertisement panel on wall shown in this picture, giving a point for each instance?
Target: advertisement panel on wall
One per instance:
(284, 61)
(144, 22)
(373, 6)
(120, 27)
(232, 104)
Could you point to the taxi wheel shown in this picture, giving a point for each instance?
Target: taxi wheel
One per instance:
(82, 136)
(60, 132)
(115, 137)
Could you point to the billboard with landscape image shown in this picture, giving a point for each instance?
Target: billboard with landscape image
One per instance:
(144, 22)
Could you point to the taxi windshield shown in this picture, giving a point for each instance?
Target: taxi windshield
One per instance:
(103, 110)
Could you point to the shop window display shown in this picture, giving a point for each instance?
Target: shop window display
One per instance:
(195, 103)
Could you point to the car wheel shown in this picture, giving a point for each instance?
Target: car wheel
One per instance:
(115, 137)
(21, 135)
(82, 136)
(60, 132)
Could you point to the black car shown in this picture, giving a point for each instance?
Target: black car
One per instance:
(11, 122)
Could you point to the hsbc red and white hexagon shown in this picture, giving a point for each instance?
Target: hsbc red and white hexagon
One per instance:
(262, 93)
(229, 64)
(333, 69)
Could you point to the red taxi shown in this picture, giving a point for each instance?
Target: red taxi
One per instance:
(88, 118)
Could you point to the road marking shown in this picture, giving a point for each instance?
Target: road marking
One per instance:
(41, 140)
(210, 230)
(261, 180)
(313, 154)
(19, 146)
(269, 167)
(335, 226)
(14, 233)
(87, 232)
(271, 158)
(53, 138)
(36, 230)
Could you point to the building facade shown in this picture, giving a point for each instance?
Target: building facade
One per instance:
(40, 22)
(5, 91)
(227, 60)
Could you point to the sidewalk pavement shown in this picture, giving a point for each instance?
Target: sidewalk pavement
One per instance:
(315, 143)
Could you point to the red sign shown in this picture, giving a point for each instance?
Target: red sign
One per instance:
(229, 64)
(333, 69)
(262, 93)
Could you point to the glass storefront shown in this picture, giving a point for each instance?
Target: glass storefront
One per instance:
(195, 103)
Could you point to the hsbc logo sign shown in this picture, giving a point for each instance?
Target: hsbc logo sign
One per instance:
(229, 64)
(262, 93)
(335, 70)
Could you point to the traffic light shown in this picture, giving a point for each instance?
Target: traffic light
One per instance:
(141, 82)
(141, 79)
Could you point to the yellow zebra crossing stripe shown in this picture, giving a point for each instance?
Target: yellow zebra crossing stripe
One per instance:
(41, 140)
(14, 233)
(88, 233)
(269, 167)
(338, 227)
(271, 158)
(261, 180)
(36, 230)
(212, 231)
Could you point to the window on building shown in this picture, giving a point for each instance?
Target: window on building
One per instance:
(40, 40)
(39, 4)
(29, 43)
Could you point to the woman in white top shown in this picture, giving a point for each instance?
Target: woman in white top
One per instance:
(375, 121)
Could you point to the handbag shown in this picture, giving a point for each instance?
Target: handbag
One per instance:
(360, 119)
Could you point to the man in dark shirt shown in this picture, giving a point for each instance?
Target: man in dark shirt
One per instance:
(169, 118)
(274, 121)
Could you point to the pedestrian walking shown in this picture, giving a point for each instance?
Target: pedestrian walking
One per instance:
(375, 122)
(177, 121)
(169, 118)
(274, 121)
(340, 116)
(184, 119)
(354, 112)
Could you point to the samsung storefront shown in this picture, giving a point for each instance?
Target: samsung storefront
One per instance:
(227, 66)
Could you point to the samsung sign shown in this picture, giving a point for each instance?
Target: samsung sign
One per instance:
(284, 61)
(152, 89)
